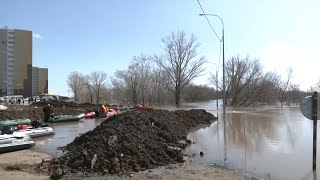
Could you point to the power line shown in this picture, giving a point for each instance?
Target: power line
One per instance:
(208, 21)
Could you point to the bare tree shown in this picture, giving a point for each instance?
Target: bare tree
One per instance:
(180, 61)
(89, 88)
(285, 85)
(129, 79)
(97, 79)
(240, 73)
(119, 88)
(316, 87)
(294, 94)
(76, 82)
(160, 84)
(247, 84)
(198, 93)
(105, 94)
(143, 70)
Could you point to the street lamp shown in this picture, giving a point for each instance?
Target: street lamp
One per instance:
(217, 97)
(223, 64)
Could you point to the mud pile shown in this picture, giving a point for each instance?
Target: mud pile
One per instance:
(36, 113)
(79, 105)
(132, 141)
(61, 104)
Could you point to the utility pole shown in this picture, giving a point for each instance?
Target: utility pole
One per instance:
(224, 78)
(223, 61)
(217, 99)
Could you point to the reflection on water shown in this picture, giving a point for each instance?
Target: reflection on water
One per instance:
(64, 134)
(269, 142)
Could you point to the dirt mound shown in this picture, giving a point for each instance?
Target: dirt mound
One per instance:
(61, 103)
(36, 113)
(132, 141)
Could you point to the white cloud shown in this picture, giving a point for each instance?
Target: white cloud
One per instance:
(37, 36)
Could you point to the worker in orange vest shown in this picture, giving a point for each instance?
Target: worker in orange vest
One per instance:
(103, 111)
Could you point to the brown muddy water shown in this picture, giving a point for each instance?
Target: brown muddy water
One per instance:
(270, 142)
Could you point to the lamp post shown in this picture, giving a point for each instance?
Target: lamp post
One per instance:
(223, 63)
(217, 97)
(224, 87)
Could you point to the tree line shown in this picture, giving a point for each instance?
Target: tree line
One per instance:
(167, 78)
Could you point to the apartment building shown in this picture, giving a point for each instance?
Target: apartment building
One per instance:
(15, 62)
(16, 71)
(39, 80)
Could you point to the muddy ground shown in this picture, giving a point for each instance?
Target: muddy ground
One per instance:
(133, 141)
(34, 111)
(22, 165)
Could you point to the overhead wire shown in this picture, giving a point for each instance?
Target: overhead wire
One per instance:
(208, 21)
(220, 39)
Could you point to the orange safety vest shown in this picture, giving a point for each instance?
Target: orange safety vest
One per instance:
(103, 109)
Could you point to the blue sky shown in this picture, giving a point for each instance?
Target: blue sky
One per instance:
(86, 36)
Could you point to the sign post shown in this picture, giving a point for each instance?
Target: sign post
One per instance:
(310, 107)
(314, 118)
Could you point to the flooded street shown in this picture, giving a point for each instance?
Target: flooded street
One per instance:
(269, 142)
(272, 143)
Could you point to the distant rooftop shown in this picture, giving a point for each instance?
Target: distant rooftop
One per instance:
(6, 27)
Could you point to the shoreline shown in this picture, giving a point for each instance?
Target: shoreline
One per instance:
(21, 165)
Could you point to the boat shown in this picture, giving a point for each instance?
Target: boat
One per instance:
(14, 122)
(15, 142)
(112, 112)
(2, 107)
(36, 132)
(66, 118)
(90, 115)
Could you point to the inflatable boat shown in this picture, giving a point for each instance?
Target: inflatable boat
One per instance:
(15, 142)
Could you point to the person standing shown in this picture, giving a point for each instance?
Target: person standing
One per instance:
(48, 112)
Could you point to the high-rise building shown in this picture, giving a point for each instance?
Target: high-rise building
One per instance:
(39, 80)
(17, 76)
(15, 62)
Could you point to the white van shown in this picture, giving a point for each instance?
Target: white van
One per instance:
(48, 97)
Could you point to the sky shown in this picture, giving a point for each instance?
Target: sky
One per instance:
(104, 35)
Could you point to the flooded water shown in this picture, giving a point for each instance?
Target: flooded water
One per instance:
(272, 143)
(269, 142)
(64, 134)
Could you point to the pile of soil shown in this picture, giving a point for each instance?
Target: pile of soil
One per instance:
(61, 103)
(79, 105)
(132, 141)
(36, 113)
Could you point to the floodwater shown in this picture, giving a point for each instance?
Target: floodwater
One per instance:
(270, 142)
(65, 133)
